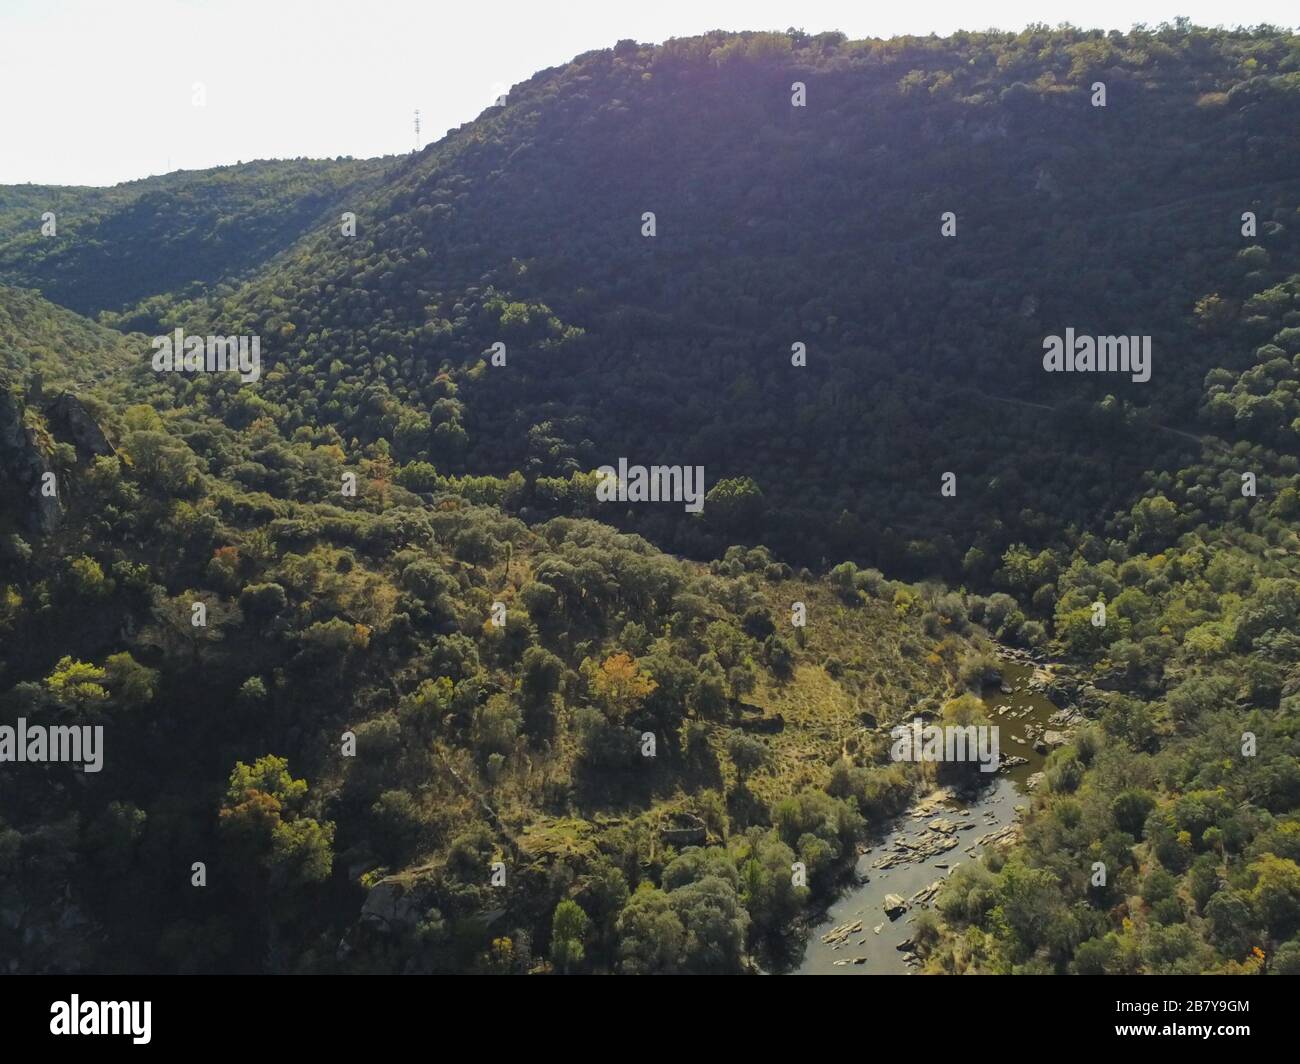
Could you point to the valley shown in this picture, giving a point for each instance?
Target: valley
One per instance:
(381, 632)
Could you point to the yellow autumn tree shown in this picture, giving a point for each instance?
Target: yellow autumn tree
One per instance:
(620, 686)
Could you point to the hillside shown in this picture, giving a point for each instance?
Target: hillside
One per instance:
(170, 235)
(819, 225)
(350, 641)
(38, 338)
(429, 649)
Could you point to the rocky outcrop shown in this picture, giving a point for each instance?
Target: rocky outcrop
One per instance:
(393, 908)
(839, 935)
(68, 413)
(926, 894)
(939, 836)
(27, 467)
(392, 903)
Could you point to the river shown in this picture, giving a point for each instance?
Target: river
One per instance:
(868, 951)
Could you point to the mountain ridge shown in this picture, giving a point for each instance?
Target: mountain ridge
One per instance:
(429, 650)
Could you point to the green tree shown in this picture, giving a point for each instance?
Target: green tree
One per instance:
(650, 934)
(569, 926)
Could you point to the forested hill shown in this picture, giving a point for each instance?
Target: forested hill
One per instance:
(168, 235)
(57, 346)
(821, 224)
(426, 654)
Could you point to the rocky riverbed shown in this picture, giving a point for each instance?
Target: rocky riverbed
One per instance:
(867, 931)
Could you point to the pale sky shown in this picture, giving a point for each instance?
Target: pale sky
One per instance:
(95, 93)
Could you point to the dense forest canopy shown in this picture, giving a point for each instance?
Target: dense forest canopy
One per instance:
(448, 711)
(170, 235)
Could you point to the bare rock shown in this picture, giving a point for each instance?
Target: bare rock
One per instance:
(75, 419)
(26, 464)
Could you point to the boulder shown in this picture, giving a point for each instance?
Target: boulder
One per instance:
(391, 903)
